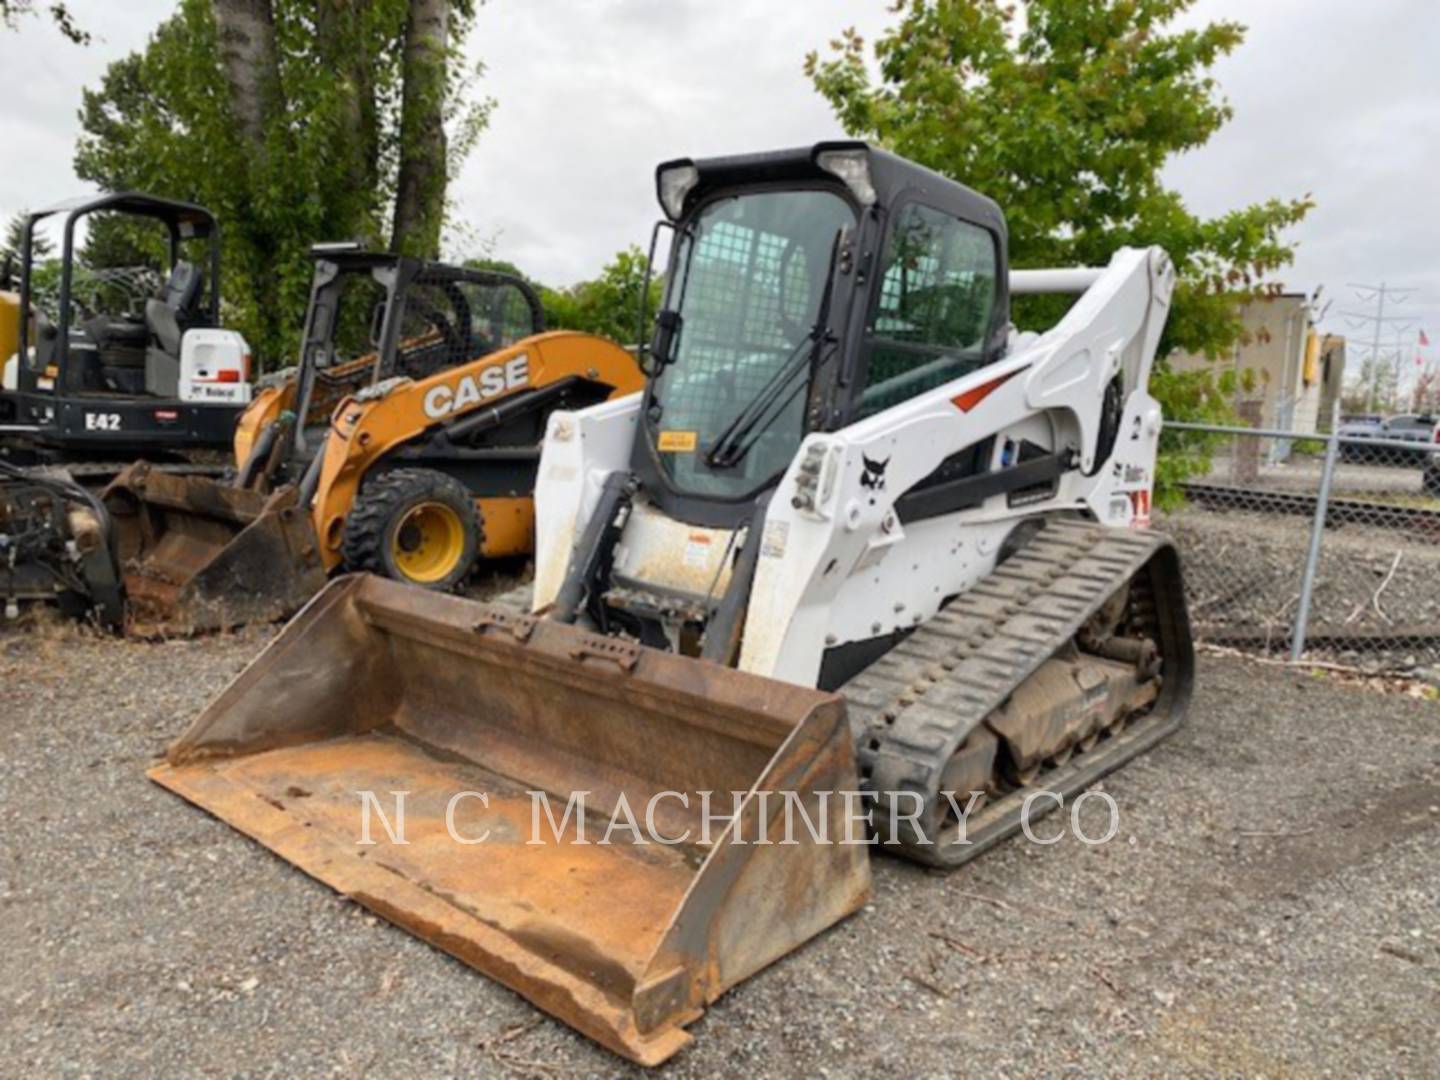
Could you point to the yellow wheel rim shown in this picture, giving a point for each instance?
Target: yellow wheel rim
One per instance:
(428, 543)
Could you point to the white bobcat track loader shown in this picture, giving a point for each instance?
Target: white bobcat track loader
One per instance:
(856, 536)
(913, 504)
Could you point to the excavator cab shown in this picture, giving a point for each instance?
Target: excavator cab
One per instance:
(120, 351)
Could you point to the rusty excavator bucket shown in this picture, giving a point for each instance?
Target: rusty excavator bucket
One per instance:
(198, 554)
(546, 772)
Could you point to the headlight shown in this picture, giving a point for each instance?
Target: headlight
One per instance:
(853, 167)
(675, 183)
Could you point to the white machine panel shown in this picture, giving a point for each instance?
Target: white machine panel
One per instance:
(214, 368)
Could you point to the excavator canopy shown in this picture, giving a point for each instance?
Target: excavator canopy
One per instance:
(496, 726)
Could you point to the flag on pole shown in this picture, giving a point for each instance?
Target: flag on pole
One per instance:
(1424, 341)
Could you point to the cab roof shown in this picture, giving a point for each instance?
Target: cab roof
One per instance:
(893, 177)
(186, 218)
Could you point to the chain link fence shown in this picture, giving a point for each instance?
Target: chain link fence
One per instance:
(1318, 547)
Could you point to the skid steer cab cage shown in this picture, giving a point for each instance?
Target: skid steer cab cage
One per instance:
(373, 316)
(376, 687)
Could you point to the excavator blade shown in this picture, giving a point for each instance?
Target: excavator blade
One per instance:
(197, 554)
(594, 824)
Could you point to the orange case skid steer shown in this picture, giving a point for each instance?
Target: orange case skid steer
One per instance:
(406, 443)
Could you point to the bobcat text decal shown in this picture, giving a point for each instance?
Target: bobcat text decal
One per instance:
(446, 398)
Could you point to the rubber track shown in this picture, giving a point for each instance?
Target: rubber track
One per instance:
(912, 709)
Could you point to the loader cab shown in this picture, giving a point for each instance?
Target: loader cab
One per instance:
(117, 345)
(805, 290)
(375, 316)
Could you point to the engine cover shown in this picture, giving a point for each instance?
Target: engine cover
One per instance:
(214, 368)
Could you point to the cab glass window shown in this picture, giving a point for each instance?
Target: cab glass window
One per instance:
(933, 314)
(750, 285)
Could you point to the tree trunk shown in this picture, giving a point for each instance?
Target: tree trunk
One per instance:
(420, 188)
(249, 62)
(245, 31)
(345, 50)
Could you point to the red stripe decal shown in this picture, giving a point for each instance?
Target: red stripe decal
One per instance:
(976, 394)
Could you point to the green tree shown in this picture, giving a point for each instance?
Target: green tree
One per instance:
(288, 119)
(1066, 112)
(11, 10)
(14, 243)
(120, 240)
(499, 266)
(1375, 388)
(608, 305)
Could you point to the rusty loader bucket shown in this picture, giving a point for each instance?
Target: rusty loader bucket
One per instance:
(496, 726)
(197, 554)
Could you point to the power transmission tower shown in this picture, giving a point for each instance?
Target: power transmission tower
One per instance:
(1381, 294)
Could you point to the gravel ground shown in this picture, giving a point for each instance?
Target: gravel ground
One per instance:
(1271, 906)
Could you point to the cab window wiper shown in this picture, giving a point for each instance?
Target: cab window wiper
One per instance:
(741, 433)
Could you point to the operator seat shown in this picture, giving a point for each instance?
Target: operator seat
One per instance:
(166, 318)
(117, 361)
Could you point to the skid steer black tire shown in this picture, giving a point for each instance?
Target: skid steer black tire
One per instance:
(385, 531)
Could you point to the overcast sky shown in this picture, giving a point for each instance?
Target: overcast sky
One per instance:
(1333, 97)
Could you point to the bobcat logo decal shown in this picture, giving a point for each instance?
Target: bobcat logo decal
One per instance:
(874, 476)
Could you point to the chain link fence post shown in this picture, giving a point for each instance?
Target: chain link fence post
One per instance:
(1317, 534)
